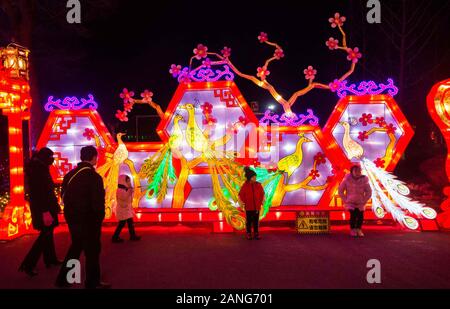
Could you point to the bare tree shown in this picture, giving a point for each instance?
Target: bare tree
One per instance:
(30, 20)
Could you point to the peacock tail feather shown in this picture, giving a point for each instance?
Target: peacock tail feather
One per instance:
(151, 164)
(155, 185)
(163, 186)
(158, 170)
(399, 191)
(110, 174)
(222, 203)
(380, 198)
(269, 181)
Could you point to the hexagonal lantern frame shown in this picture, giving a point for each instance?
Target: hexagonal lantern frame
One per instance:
(94, 118)
(177, 97)
(333, 154)
(183, 87)
(401, 143)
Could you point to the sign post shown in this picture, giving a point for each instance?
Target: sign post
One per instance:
(313, 222)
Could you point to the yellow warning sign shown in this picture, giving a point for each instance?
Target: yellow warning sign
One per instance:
(313, 222)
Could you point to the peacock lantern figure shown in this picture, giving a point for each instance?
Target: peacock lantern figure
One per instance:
(373, 132)
(199, 164)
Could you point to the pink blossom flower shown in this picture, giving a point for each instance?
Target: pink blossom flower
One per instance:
(147, 96)
(262, 37)
(184, 75)
(337, 20)
(278, 53)
(390, 129)
(127, 107)
(335, 85)
(362, 136)
(89, 134)
(127, 96)
(314, 174)
(185, 79)
(380, 121)
(366, 119)
(332, 43)
(319, 158)
(175, 70)
(122, 116)
(226, 52)
(262, 72)
(353, 54)
(207, 62)
(207, 108)
(201, 51)
(310, 73)
(379, 162)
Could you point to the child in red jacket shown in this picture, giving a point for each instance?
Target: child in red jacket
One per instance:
(251, 197)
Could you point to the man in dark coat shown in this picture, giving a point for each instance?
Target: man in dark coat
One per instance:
(44, 210)
(84, 211)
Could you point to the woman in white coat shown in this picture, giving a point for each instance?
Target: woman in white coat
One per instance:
(124, 209)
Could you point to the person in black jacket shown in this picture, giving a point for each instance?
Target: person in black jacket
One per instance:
(44, 211)
(84, 211)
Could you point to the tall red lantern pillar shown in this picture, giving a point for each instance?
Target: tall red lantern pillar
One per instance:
(438, 102)
(15, 102)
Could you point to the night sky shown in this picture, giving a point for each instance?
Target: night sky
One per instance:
(133, 43)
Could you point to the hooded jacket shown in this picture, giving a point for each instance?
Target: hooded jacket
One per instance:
(355, 192)
(124, 208)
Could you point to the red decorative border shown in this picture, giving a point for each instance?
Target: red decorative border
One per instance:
(392, 105)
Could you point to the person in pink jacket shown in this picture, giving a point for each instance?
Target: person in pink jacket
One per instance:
(355, 191)
(124, 209)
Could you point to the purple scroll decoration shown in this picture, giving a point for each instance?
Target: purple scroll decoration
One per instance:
(205, 73)
(70, 103)
(291, 120)
(367, 87)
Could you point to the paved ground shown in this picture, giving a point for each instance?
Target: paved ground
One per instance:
(188, 258)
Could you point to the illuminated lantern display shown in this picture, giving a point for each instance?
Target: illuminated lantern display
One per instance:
(15, 103)
(209, 133)
(438, 102)
(72, 124)
(14, 59)
(371, 130)
(370, 125)
(307, 166)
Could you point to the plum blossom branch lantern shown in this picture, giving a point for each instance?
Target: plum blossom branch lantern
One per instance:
(262, 73)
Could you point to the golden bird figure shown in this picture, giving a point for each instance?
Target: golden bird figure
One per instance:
(177, 135)
(110, 173)
(200, 141)
(291, 162)
(194, 135)
(352, 148)
(158, 169)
